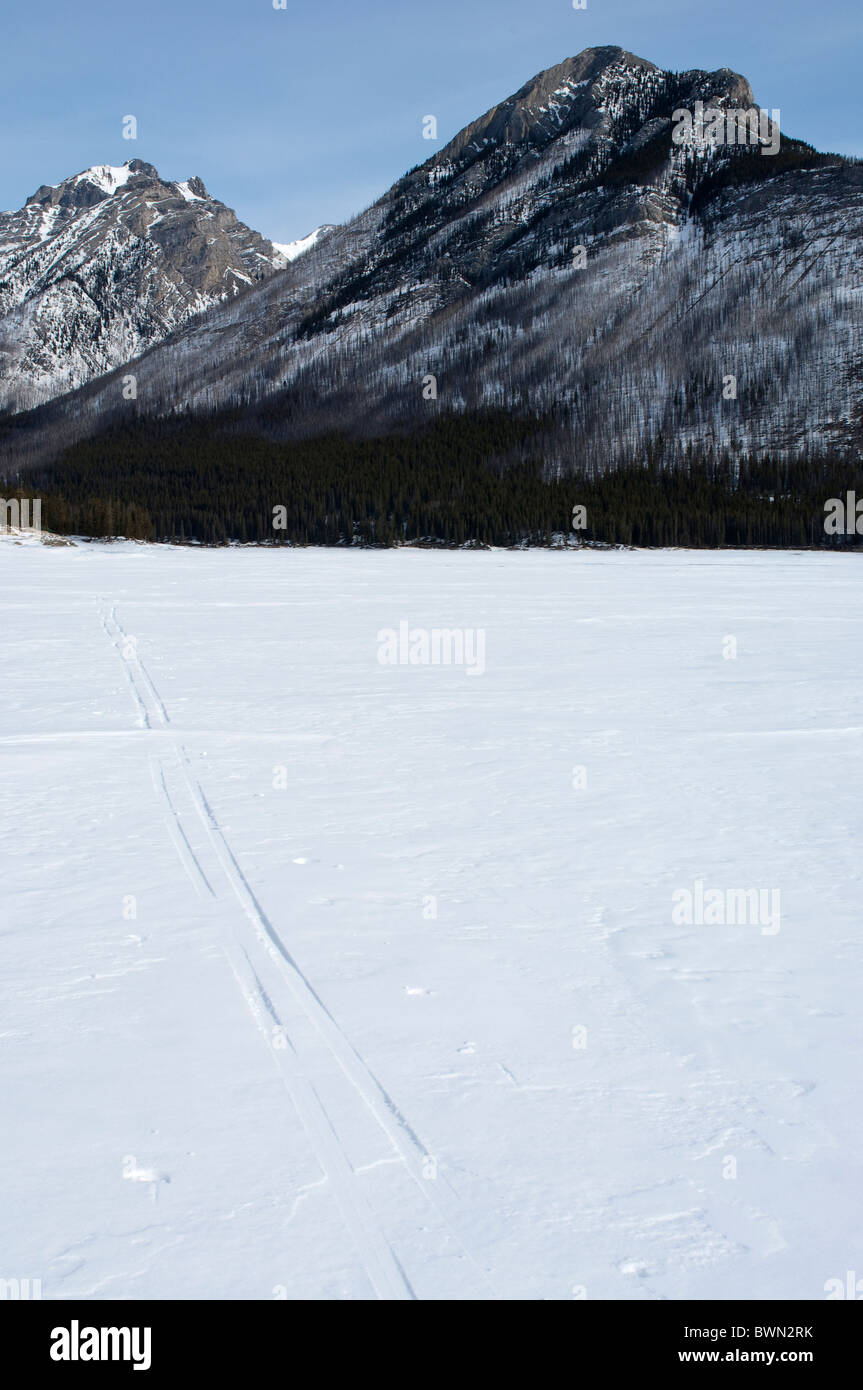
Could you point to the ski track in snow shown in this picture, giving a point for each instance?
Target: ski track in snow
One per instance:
(385, 1272)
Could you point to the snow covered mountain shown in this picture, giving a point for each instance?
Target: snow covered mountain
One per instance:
(565, 256)
(96, 269)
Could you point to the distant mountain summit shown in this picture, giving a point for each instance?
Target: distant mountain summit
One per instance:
(98, 268)
(595, 92)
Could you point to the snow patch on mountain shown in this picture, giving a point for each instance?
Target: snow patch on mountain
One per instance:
(108, 177)
(290, 250)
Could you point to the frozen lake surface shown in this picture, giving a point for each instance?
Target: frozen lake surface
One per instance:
(323, 977)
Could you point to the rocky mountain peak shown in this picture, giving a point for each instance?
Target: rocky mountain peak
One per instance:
(599, 92)
(103, 181)
(100, 266)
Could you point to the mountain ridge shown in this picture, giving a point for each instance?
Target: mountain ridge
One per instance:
(697, 265)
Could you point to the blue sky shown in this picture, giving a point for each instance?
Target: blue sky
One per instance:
(305, 115)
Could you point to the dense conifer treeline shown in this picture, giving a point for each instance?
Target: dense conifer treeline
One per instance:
(465, 478)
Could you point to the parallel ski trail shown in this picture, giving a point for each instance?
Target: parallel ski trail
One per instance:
(176, 785)
(382, 1266)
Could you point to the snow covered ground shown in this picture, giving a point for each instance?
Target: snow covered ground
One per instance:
(327, 978)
